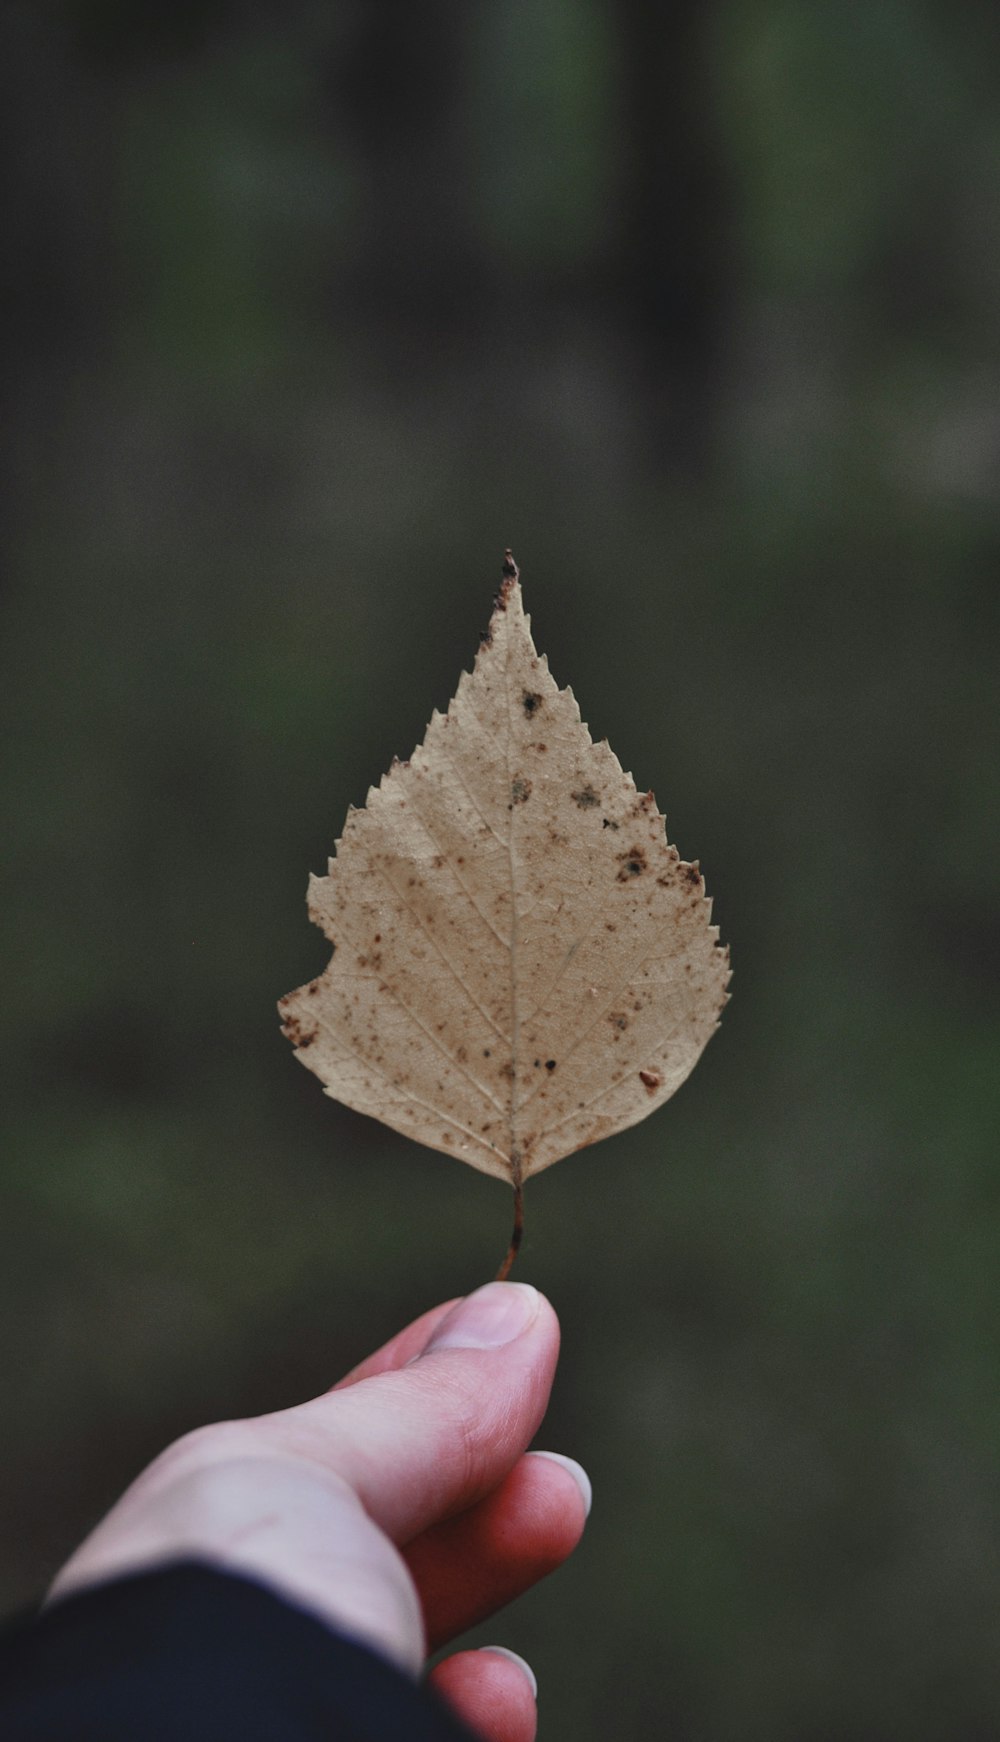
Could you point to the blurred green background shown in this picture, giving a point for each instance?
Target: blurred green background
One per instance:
(311, 310)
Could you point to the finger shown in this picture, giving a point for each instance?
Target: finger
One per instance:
(399, 1349)
(423, 1442)
(471, 1566)
(493, 1692)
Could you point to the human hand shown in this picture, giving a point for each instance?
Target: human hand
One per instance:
(400, 1507)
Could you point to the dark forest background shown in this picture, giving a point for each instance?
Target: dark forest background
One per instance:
(310, 310)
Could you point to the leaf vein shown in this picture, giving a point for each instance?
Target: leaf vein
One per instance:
(576, 1112)
(449, 861)
(429, 935)
(615, 996)
(408, 1095)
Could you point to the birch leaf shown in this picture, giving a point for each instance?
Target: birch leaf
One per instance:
(522, 963)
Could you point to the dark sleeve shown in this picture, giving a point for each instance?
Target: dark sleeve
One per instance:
(195, 1654)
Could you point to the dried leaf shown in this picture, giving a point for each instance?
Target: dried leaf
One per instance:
(522, 964)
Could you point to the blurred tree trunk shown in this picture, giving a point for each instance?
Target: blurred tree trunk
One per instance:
(675, 271)
(399, 86)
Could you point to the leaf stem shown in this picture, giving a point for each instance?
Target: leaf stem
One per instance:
(517, 1235)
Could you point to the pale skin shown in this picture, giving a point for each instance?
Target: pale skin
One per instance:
(402, 1507)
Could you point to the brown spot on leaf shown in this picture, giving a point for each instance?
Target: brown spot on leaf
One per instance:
(507, 1070)
(693, 875)
(652, 1080)
(586, 798)
(618, 1020)
(633, 864)
(299, 1035)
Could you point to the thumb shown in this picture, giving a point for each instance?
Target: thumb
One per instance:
(433, 1437)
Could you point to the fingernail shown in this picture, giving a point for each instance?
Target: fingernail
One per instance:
(501, 1651)
(494, 1315)
(577, 1472)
